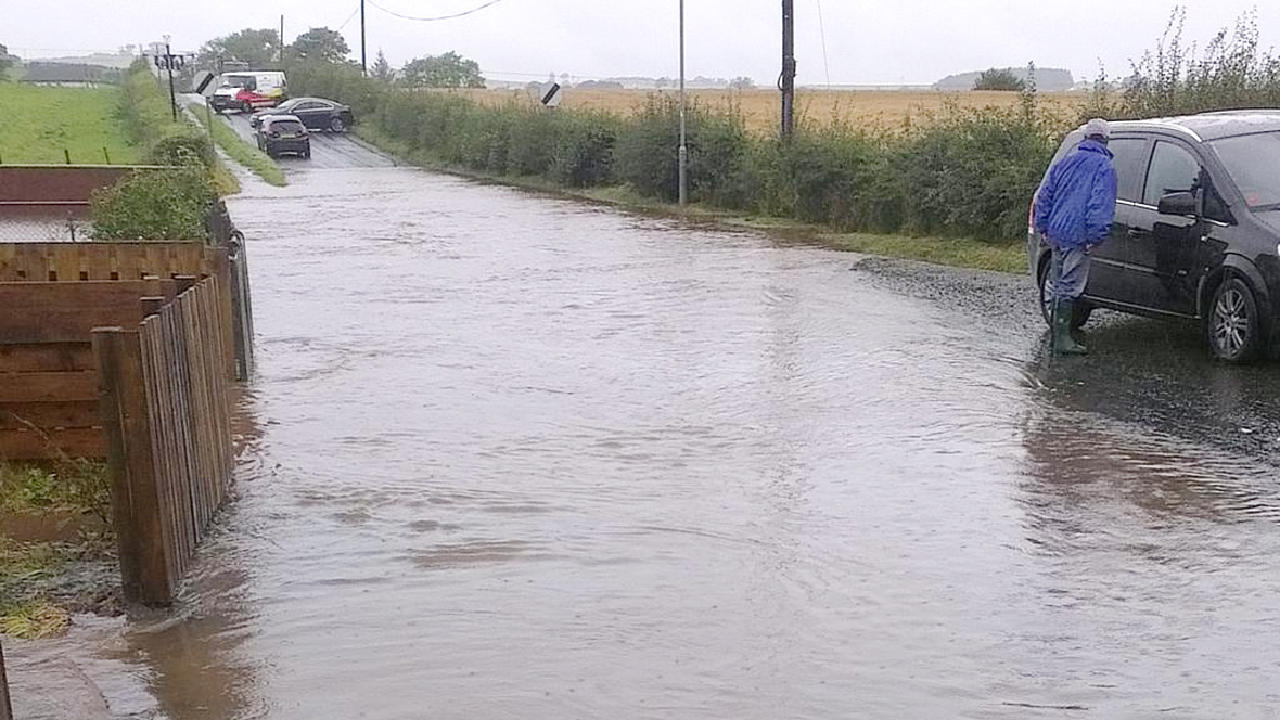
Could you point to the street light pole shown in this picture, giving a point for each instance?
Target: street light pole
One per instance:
(684, 147)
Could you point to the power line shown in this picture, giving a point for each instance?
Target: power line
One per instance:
(437, 18)
(349, 18)
(822, 30)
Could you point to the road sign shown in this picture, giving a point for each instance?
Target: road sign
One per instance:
(551, 94)
(203, 83)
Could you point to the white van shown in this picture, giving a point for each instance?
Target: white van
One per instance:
(248, 90)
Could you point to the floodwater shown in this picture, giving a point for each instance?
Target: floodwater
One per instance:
(510, 456)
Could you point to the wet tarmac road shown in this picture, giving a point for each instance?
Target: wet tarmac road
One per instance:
(511, 456)
(328, 150)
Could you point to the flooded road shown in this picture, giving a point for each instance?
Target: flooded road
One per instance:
(515, 457)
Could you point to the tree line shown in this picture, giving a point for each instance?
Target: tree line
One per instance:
(260, 48)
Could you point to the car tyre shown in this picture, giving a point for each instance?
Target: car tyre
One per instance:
(1082, 309)
(1233, 324)
(306, 154)
(337, 124)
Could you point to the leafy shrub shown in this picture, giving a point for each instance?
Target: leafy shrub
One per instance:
(182, 147)
(154, 205)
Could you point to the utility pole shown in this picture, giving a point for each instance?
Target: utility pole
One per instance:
(281, 58)
(364, 59)
(684, 147)
(787, 82)
(169, 61)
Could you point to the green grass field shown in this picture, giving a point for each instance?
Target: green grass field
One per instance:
(38, 124)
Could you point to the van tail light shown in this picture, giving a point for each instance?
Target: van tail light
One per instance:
(1031, 216)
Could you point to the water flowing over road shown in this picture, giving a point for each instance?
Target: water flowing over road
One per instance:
(514, 456)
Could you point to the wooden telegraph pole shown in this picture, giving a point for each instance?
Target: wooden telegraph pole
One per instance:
(787, 82)
(364, 59)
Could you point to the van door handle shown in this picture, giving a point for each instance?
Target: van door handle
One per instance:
(1136, 234)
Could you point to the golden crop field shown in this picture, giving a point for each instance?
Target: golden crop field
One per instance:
(761, 108)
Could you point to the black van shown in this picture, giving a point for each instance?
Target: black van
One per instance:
(1197, 228)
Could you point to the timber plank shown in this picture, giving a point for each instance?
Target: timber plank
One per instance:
(46, 357)
(64, 414)
(48, 387)
(53, 444)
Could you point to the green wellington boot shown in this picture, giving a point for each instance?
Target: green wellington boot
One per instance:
(1063, 342)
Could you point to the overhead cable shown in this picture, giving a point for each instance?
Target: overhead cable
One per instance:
(437, 18)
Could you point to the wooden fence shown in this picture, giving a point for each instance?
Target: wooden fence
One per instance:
(48, 377)
(6, 707)
(89, 262)
(167, 423)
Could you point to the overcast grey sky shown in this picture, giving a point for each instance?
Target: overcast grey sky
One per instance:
(867, 41)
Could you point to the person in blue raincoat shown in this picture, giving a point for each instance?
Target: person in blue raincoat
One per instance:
(1074, 211)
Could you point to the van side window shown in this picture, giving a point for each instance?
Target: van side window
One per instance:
(1131, 155)
(1172, 170)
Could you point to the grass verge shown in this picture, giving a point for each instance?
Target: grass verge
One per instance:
(41, 123)
(242, 152)
(951, 252)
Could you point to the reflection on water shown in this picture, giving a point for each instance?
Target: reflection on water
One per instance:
(516, 457)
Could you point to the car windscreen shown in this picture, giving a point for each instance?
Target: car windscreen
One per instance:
(1253, 162)
(286, 126)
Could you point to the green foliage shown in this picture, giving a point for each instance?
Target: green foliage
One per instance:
(155, 205)
(320, 44)
(966, 173)
(449, 70)
(6, 61)
(77, 485)
(381, 69)
(998, 79)
(1231, 73)
(257, 47)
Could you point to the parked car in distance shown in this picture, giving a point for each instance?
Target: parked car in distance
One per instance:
(1197, 228)
(248, 90)
(282, 135)
(315, 114)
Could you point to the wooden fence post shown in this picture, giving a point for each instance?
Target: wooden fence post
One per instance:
(145, 552)
(6, 707)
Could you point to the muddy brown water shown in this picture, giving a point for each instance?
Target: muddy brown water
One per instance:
(516, 457)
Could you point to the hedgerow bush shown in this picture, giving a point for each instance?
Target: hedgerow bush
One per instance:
(965, 172)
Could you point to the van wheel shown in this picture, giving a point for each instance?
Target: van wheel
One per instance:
(247, 108)
(1232, 324)
(1081, 311)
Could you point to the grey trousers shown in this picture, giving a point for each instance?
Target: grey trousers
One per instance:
(1068, 273)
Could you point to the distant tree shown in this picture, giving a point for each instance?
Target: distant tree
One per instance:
(258, 48)
(381, 68)
(449, 70)
(742, 83)
(320, 44)
(999, 79)
(6, 61)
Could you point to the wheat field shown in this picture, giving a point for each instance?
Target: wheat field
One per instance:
(761, 108)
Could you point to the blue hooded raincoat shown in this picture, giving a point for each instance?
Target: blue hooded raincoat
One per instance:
(1077, 202)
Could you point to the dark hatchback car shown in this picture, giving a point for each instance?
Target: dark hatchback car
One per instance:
(1197, 228)
(283, 135)
(315, 113)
